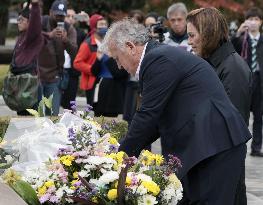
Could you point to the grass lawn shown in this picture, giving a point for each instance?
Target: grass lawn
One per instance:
(3, 73)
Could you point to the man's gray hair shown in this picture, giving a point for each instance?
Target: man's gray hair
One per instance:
(124, 31)
(177, 7)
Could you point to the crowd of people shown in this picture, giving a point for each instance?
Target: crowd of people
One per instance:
(191, 84)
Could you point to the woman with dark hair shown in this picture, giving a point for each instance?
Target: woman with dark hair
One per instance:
(208, 35)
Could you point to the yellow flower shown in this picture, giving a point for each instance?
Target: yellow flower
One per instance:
(94, 199)
(128, 181)
(113, 141)
(175, 181)
(2, 143)
(152, 187)
(119, 157)
(116, 184)
(75, 175)
(67, 160)
(49, 184)
(10, 176)
(42, 190)
(147, 157)
(159, 159)
(112, 194)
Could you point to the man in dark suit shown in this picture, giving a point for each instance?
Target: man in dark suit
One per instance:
(184, 102)
(248, 42)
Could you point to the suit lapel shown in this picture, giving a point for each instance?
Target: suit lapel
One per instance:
(150, 46)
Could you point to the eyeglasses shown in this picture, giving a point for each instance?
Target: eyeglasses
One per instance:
(21, 19)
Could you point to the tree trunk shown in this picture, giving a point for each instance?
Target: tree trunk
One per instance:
(3, 20)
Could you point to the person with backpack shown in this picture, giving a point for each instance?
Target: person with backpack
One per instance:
(60, 36)
(20, 86)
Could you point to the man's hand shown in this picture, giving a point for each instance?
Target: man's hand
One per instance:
(243, 27)
(59, 34)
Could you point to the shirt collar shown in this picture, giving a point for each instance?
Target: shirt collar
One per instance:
(139, 66)
(255, 38)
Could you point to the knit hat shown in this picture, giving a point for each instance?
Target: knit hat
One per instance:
(93, 22)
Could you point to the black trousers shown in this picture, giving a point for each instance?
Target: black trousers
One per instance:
(214, 180)
(70, 93)
(257, 114)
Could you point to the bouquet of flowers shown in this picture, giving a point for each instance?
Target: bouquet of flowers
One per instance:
(92, 171)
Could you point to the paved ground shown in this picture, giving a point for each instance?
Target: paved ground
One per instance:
(254, 166)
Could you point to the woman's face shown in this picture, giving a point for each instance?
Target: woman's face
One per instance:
(194, 39)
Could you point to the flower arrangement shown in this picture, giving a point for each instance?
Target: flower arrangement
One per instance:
(92, 171)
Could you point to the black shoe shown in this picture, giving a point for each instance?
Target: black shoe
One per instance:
(256, 154)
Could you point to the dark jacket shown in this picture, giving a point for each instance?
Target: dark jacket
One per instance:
(184, 102)
(51, 58)
(111, 91)
(235, 75)
(29, 43)
(237, 42)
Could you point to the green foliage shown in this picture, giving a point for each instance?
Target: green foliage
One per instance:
(3, 73)
(26, 192)
(43, 104)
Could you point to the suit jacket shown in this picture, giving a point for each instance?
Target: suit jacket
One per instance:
(235, 75)
(237, 42)
(184, 102)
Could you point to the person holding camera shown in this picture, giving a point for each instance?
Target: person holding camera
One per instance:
(70, 92)
(177, 35)
(60, 36)
(24, 61)
(248, 42)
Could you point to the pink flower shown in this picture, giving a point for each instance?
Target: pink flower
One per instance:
(44, 198)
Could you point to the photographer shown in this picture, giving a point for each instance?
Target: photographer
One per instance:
(249, 44)
(60, 36)
(24, 61)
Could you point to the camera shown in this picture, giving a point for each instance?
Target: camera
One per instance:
(61, 25)
(159, 29)
(80, 17)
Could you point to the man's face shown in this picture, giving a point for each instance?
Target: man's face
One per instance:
(126, 58)
(57, 18)
(22, 23)
(70, 17)
(254, 24)
(177, 22)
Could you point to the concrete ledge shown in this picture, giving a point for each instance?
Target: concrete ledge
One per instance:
(9, 196)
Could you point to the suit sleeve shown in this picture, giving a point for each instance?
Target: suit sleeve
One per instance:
(159, 77)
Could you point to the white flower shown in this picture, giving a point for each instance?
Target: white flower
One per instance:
(144, 177)
(83, 173)
(108, 177)
(147, 200)
(8, 159)
(141, 190)
(96, 160)
(169, 193)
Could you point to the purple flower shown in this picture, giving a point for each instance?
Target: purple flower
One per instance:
(73, 106)
(88, 108)
(71, 134)
(44, 198)
(113, 148)
(54, 199)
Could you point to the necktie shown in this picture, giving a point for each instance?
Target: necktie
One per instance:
(254, 55)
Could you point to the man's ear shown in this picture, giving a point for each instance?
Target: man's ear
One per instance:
(131, 47)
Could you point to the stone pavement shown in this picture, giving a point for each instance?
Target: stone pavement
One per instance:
(254, 165)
